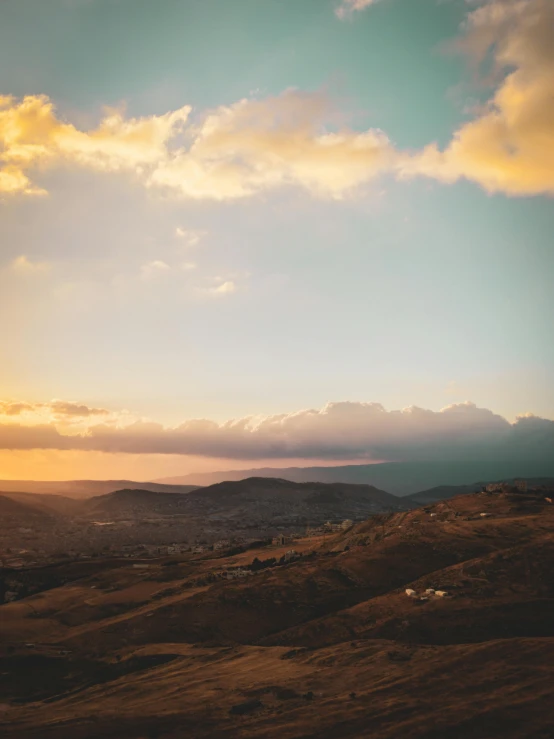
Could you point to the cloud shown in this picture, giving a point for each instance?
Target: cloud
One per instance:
(17, 436)
(297, 139)
(364, 431)
(60, 409)
(231, 152)
(68, 408)
(257, 145)
(509, 146)
(225, 288)
(13, 180)
(10, 408)
(350, 6)
(157, 268)
(153, 269)
(189, 237)
(33, 137)
(24, 264)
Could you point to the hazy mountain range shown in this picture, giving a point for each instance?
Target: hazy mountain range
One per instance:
(398, 478)
(87, 488)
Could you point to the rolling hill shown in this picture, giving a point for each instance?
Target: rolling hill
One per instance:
(260, 500)
(274, 499)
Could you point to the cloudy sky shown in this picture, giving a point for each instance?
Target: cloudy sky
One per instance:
(235, 232)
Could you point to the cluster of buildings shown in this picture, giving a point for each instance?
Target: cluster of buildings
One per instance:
(517, 486)
(150, 550)
(164, 550)
(430, 593)
(236, 573)
(331, 528)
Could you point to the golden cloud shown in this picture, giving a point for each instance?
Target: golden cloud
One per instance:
(15, 408)
(255, 145)
(235, 151)
(509, 147)
(295, 138)
(33, 137)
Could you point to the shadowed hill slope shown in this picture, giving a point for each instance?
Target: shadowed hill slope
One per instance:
(325, 646)
(12, 511)
(264, 500)
(382, 556)
(46, 502)
(274, 497)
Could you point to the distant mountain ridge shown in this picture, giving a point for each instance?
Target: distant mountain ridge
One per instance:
(398, 478)
(88, 488)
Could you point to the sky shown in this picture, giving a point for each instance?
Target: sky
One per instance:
(241, 232)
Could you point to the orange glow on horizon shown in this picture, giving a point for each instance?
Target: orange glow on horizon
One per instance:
(38, 464)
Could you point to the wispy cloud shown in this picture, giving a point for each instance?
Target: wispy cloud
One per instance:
(225, 288)
(154, 269)
(189, 237)
(25, 265)
(65, 408)
(58, 408)
(348, 7)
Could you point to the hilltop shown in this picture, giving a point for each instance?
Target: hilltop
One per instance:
(326, 644)
(278, 500)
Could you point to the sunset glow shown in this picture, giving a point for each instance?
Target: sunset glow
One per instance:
(311, 243)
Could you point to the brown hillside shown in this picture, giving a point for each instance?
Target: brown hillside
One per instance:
(328, 645)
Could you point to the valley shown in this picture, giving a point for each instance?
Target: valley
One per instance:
(41, 528)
